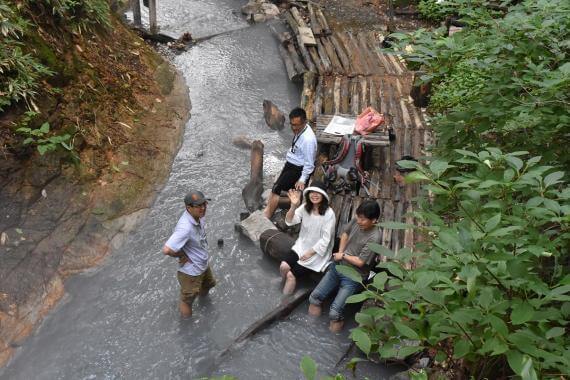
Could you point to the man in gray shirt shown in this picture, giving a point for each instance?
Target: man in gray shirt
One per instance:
(353, 251)
(189, 244)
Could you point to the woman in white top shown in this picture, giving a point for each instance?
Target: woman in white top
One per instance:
(314, 245)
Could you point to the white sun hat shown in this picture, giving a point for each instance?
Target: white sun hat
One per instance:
(317, 187)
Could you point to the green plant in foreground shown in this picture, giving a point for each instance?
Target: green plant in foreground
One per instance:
(492, 284)
(44, 143)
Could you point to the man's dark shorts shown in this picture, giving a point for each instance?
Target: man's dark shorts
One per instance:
(287, 179)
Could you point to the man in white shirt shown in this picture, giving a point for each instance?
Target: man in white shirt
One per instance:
(189, 244)
(300, 160)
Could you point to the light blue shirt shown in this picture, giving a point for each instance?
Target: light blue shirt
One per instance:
(303, 152)
(190, 237)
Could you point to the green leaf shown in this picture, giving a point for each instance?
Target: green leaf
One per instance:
(416, 176)
(514, 358)
(362, 340)
(432, 297)
(309, 368)
(406, 351)
(406, 331)
(528, 372)
(505, 231)
(394, 268)
(461, 348)
(27, 141)
(381, 250)
(492, 223)
(44, 128)
(515, 162)
(499, 325)
(522, 313)
(42, 149)
(379, 280)
(349, 272)
(553, 178)
(357, 298)
(555, 332)
(438, 167)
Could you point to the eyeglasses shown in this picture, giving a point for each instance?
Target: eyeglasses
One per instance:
(203, 205)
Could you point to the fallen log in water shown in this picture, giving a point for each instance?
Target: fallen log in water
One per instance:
(251, 193)
(283, 310)
(292, 73)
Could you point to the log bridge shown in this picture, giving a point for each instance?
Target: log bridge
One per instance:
(343, 72)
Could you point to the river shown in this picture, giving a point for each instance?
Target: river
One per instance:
(120, 320)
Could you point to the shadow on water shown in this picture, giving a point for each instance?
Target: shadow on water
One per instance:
(120, 321)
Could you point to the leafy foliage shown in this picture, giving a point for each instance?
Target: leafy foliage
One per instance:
(493, 286)
(45, 143)
(432, 10)
(504, 80)
(81, 14)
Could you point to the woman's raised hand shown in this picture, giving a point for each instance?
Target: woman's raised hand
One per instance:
(294, 197)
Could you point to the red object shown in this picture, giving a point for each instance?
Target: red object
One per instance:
(368, 121)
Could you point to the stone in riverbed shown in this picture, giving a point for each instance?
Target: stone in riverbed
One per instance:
(273, 116)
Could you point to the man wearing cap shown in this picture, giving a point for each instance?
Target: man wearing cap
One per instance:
(300, 160)
(189, 244)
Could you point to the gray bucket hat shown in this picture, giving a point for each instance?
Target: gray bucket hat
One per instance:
(195, 198)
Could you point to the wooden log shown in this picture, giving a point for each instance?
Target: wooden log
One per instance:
(335, 62)
(297, 16)
(359, 54)
(318, 107)
(354, 96)
(285, 38)
(308, 94)
(285, 308)
(306, 57)
(292, 23)
(316, 60)
(344, 95)
(323, 21)
(297, 62)
(336, 205)
(251, 193)
(388, 216)
(397, 234)
(328, 100)
(315, 25)
(364, 94)
(375, 182)
(292, 73)
(373, 97)
(367, 52)
(353, 57)
(327, 65)
(342, 55)
(336, 95)
(307, 37)
(136, 7)
(153, 26)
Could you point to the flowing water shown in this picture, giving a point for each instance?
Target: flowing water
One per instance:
(120, 320)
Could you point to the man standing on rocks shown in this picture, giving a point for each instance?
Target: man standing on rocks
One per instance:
(300, 160)
(188, 243)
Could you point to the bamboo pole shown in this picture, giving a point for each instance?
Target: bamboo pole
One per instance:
(152, 16)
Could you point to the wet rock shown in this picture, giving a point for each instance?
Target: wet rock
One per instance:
(242, 142)
(259, 10)
(255, 225)
(273, 116)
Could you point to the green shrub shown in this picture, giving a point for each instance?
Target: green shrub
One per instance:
(518, 64)
(44, 142)
(431, 10)
(492, 280)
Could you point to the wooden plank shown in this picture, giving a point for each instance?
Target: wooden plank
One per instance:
(306, 57)
(388, 215)
(328, 100)
(292, 73)
(395, 63)
(297, 17)
(136, 7)
(367, 52)
(375, 182)
(308, 94)
(337, 95)
(307, 37)
(387, 178)
(342, 55)
(364, 94)
(297, 62)
(344, 98)
(336, 204)
(354, 96)
(316, 60)
(353, 58)
(315, 25)
(397, 235)
(327, 65)
(323, 21)
(331, 53)
(292, 23)
(318, 107)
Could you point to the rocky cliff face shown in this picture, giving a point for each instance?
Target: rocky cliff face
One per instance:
(126, 109)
